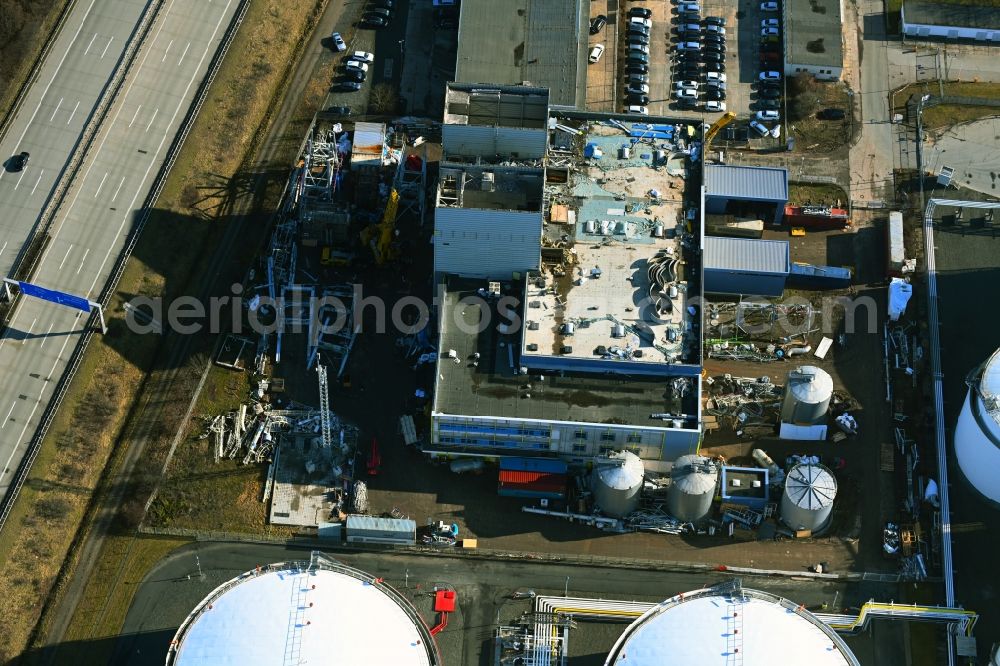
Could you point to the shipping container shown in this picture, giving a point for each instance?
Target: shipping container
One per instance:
(807, 276)
(817, 217)
(897, 250)
(370, 529)
(532, 477)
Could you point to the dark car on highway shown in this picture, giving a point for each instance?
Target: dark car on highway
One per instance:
(598, 24)
(18, 162)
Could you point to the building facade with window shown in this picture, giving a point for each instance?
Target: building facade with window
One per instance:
(813, 38)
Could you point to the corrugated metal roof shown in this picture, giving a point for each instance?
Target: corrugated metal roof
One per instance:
(534, 465)
(813, 33)
(747, 255)
(951, 14)
(746, 182)
(357, 522)
(532, 480)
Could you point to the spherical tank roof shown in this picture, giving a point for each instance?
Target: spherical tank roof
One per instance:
(316, 615)
(810, 384)
(627, 475)
(811, 486)
(706, 627)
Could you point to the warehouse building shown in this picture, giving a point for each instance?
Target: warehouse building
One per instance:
(746, 192)
(531, 42)
(746, 266)
(813, 37)
(600, 348)
(945, 20)
(488, 217)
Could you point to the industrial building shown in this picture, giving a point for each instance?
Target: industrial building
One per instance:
(813, 37)
(729, 624)
(746, 191)
(532, 42)
(303, 612)
(947, 20)
(746, 266)
(977, 433)
(488, 217)
(597, 349)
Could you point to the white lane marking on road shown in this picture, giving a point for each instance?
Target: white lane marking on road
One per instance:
(4, 247)
(167, 50)
(90, 44)
(209, 45)
(53, 116)
(152, 119)
(42, 343)
(83, 260)
(184, 54)
(118, 189)
(30, 328)
(19, 179)
(37, 181)
(134, 115)
(104, 52)
(54, 75)
(74, 112)
(90, 163)
(101, 185)
(66, 256)
(7, 418)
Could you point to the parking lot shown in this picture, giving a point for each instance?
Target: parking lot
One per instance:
(601, 76)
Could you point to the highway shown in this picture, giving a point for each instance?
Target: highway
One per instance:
(57, 107)
(97, 214)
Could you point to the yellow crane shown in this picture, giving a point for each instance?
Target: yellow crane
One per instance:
(726, 118)
(381, 236)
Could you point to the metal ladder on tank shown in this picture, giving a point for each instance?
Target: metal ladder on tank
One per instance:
(296, 622)
(734, 632)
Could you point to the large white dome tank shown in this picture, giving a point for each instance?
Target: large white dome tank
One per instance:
(729, 624)
(807, 395)
(977, 433)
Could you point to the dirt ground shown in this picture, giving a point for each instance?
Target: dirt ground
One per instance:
(24, 29)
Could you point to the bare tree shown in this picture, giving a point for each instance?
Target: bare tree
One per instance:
(383, 98)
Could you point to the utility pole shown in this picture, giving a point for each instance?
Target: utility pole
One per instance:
(920, 148)
(566, 588)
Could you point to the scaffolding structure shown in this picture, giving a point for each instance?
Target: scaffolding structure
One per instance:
(324, 406)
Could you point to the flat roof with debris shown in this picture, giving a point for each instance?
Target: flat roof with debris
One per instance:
(490, 187)
(813, 33)
(492, 384)
(982, 15)
(496, 105)
(538, 42)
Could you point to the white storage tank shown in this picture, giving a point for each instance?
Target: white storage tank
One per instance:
(807, 395)
(729, 624)
(807, 502)
(692, 488)
(617, 482)
(977, 433)
(320, 607)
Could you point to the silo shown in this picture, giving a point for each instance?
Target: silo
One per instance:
(303, 612)
(977, 433)
(807, 501)
(729, 624)
(617, 481)
(692, 488)
(807, 395)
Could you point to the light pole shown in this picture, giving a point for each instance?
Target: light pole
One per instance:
(566, 588)
(920, 147)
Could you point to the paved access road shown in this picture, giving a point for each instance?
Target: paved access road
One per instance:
(98, 212)
(55, 110)
(178, 582)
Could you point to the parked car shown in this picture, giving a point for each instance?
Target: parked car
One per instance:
(641, 110)
(636, 68)
(714, 39)
(688, 8)
(769, 41)
(346, 86)
(709, 47)
(380, 11)
(688, 36)
(768, 114)
(831, 114)
(639, 48)
(641, 12)
(770, 76)
(637, 20)
(638, 78)
(339, 110)
(687, 93)
(338, 42)
(638, 39)
(715, 66)
(635, 29)
(636, 100)
(636, 57)
(769, 104)
(369, 20)
(712, 56)
(355, 75)
(760, 129)
(687, 103)
(637, 89)
(356, 65)
(716, 85)
(769, 93)
(769, 6)
(715, 95)
(711, 28)
(596, 52)
(715, 20)
(688, 72)
(769, 32)
(689, 27)
(685, 84)
(598, 23)
(384, 4)
(689, 46)
(363, 56)
(714, 106)
(715, 76)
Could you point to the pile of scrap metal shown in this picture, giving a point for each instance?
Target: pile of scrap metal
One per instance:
(656, 519)
(743, 402)
(753, 351)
